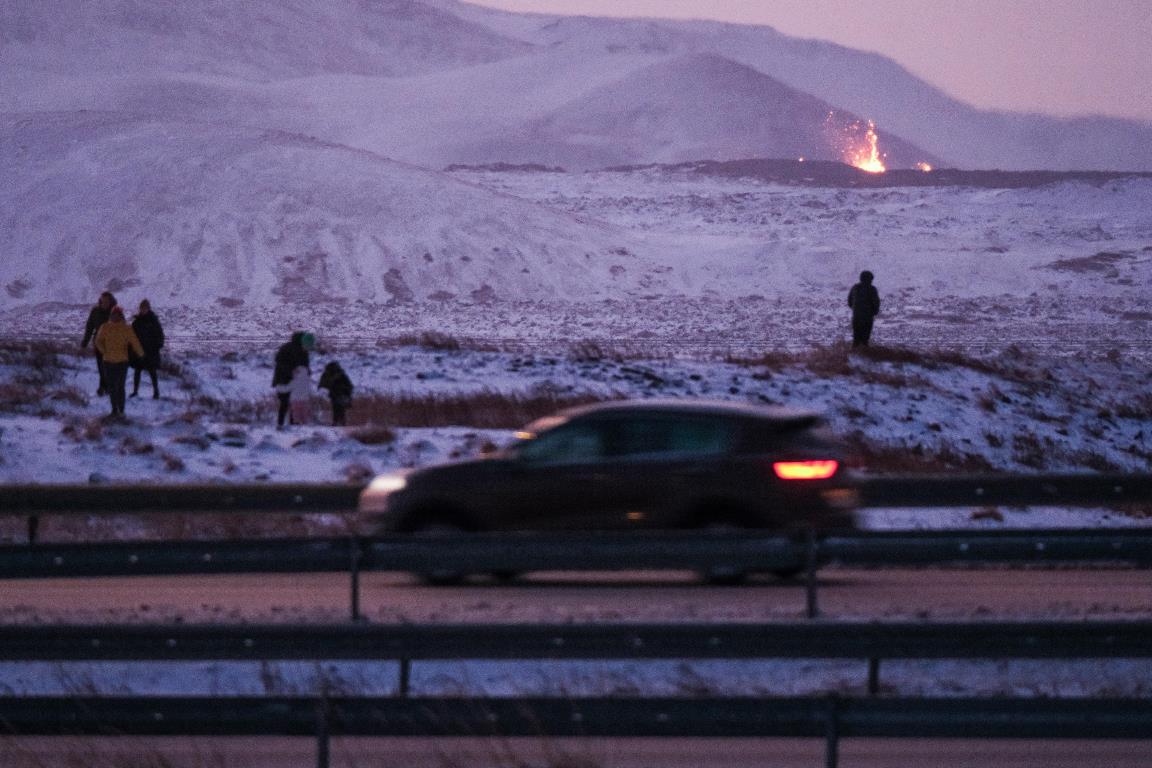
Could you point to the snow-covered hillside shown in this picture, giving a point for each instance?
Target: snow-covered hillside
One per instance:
(211, 215)
(250, 40)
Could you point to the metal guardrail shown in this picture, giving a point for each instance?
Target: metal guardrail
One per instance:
(532, 551)
(405, 644)
(895, 491)
(806, 640)
(830, 718)
(708, 717)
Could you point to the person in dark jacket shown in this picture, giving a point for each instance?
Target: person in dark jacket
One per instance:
(97, 317)
(291, 355)
(151, 335)
(864, 300)
(339, 387)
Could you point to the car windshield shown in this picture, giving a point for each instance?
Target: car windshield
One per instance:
(570, 443)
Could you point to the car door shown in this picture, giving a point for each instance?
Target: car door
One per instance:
(552, 481)
(661, 466)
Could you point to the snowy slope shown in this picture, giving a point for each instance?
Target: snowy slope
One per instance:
(257, 40)
(209, 215)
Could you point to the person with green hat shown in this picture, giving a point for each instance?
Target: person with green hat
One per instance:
(291, 355)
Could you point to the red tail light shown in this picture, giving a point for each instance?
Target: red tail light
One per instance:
(805, 470)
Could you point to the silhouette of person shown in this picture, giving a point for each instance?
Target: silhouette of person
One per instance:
(864, 300)
(96, 318)
(151, 335)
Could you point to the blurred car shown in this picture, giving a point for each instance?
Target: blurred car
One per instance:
(632, 465)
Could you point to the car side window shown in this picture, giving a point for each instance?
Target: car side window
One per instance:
(570, 444)
(663, 437)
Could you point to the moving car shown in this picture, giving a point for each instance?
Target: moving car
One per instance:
(632, 465)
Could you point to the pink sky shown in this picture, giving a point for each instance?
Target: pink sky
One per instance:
(1062, 57)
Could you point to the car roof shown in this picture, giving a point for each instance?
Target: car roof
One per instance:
(775, 414)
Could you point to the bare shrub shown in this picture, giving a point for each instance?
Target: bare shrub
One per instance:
(14, 396)
(172, 463)
(914, 460)
(1028, 450)
(130, 446)
(90, 430)
(358, 474)
(373, 434)
(1096, 461)
(1139, 407)
(431, 340)
(70, 395)
(931, 359)
(587, 352)
(483, 410)
(829, 361)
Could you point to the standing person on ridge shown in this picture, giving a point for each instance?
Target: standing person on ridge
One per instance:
(116, 341)
(96, 318)
(864, 300)
(291, 355)
(151, 335)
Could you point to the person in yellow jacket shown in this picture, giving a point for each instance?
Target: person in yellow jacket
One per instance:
(116, 341)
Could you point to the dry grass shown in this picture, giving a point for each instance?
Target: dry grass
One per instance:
(178, 526)
(914, 460)
(842, 359)
(481, 410)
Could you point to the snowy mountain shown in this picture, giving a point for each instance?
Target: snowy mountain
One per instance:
(253, 40)
(687, 108)
(214, 215)
(859, 82)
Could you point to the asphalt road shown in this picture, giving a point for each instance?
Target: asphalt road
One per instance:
(673, 596)
(123, 752)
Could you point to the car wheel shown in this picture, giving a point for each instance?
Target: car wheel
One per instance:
(721, 574)
(440, 577)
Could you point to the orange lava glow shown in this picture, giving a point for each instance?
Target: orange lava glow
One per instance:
(857, 142)
(868, 157)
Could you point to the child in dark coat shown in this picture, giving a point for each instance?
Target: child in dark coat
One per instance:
(339, 387)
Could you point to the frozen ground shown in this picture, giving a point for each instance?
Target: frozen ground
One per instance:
(667, 264)
(901, 410)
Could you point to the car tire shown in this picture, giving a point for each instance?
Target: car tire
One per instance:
(444, 577)
(721, 575)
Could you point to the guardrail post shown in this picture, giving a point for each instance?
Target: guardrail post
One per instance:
(873, 676)
(405, 676)
(832, 732)
(322, 733)
(810, 572)
(354, 579)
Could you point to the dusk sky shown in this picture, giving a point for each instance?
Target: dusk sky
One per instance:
(1057, 56)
